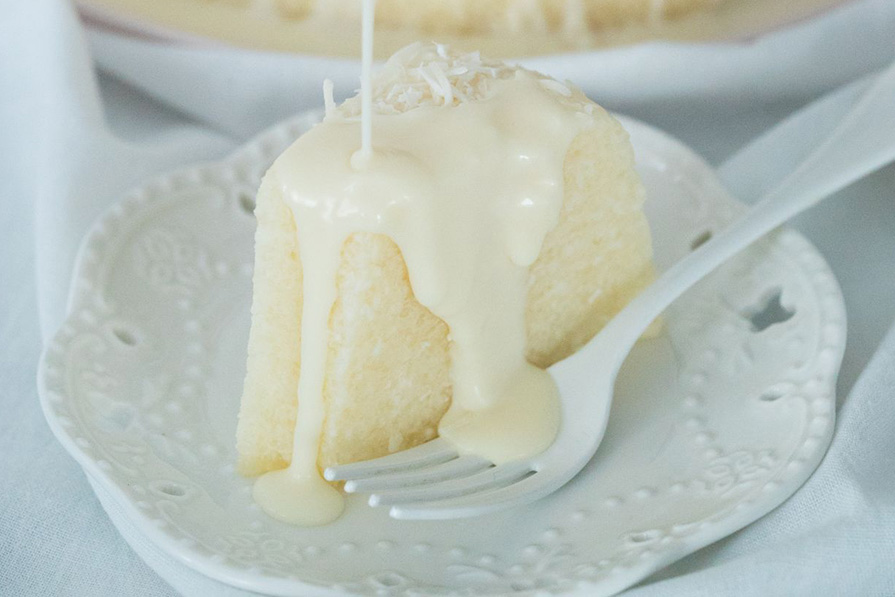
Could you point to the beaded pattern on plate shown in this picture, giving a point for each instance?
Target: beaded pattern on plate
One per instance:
(148, 447)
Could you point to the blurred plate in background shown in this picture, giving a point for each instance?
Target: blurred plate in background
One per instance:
(240, 23)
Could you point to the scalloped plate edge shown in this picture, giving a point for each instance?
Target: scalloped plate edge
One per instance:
(708, 533)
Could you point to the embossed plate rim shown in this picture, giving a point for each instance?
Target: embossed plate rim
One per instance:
(713, 530)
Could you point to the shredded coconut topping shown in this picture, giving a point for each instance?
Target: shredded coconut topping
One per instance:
(431, 74)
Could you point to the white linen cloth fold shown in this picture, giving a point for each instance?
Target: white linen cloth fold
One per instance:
(72, 143)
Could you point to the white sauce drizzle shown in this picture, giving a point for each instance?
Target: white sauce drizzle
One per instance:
(656, 12)
(366, 86)
(467, 189)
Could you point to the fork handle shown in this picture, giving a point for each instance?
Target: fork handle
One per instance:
(862, 143)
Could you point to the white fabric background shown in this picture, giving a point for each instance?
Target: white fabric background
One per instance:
(71, 143)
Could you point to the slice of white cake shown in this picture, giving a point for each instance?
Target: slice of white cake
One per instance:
(387, 379)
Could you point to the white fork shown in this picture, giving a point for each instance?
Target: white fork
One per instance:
(434, 481)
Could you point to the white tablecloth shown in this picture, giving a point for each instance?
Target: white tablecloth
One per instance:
(70, 144)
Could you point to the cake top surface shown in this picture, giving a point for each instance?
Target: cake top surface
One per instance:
(433, 74)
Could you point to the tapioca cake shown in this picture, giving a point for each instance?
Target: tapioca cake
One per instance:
(387, 379)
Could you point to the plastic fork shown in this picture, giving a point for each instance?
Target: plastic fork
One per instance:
(435, 481)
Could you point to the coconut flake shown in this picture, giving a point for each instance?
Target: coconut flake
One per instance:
(431, 74)
(556, 86)
(329, 104)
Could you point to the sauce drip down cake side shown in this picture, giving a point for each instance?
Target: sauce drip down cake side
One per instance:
(496, 228)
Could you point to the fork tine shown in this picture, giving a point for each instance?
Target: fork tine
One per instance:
(430, 453)
(452, 469)
(490, 478)
(523, 491)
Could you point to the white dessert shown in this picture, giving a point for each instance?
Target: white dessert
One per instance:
(494, 228)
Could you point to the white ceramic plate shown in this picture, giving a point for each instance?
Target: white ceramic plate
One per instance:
(245, 25)
(714, 423)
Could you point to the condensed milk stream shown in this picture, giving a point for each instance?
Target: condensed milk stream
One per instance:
(467, 190)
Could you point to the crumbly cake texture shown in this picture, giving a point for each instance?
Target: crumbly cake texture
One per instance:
(478, 17)
(387, 381)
